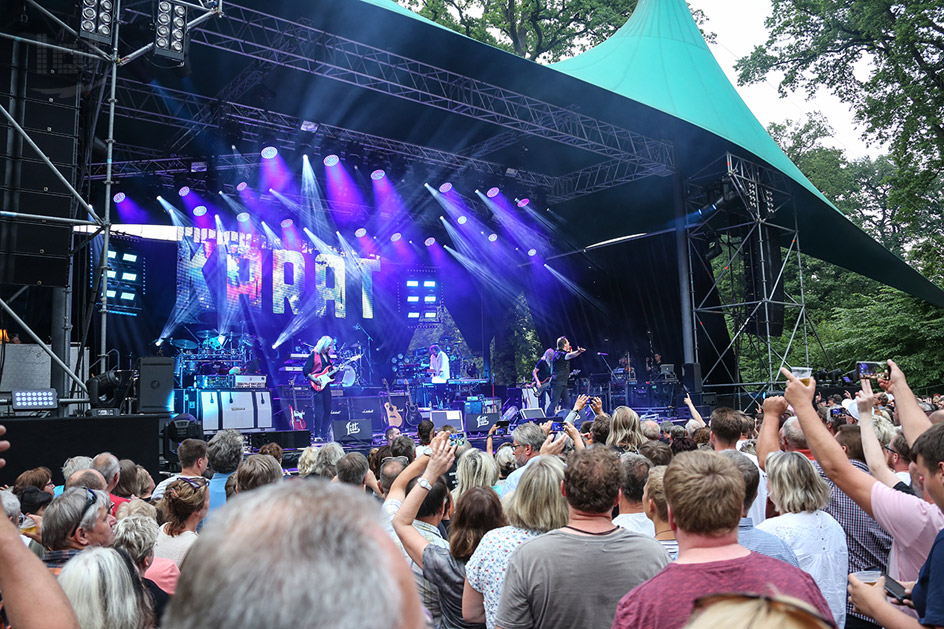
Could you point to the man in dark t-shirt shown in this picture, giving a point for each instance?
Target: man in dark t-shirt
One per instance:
(710, 560)
(541, 377)
(560, 372)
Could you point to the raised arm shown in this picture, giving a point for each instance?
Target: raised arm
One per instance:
(768, 437)
(832, 458)
(398, 489)
(871, 447)
(694, 411)
(413, 541)
(912, 418)
(575, 353)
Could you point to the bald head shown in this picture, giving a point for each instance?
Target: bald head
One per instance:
(107, 464)
(937, 417)
(90, 478)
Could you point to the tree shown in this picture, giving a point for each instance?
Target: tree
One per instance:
(884, 58)
(539, 30)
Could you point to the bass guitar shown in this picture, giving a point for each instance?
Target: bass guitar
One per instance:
(323, 378)
(393, 413)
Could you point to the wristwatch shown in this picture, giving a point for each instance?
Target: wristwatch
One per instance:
(422, 482)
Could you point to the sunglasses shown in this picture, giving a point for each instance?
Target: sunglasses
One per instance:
(197, 483)
(90, 499)
(401, 459)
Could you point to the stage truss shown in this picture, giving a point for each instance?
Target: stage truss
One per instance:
(741, 228)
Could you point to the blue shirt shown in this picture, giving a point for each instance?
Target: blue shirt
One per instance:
(928, 592)
(218, 490)
(511, 483)
(764, 543)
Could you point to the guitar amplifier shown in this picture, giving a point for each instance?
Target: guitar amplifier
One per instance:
(369, 408)
(249, 382)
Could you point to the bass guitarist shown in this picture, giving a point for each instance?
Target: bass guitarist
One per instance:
(317, 363)
(542, 378)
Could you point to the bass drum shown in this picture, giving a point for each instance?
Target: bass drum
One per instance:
(348, 376)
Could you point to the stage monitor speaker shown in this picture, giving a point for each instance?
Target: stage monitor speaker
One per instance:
(639, 396)
(353, 432)
(691, 377)
(155, 384)
(447, 418)
(288, 439)
(480, 422)
(369, 409)
(532, 414)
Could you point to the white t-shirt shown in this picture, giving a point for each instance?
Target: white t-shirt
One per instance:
(173, 547)
(635, 522)
(758, 511)
(440, 365)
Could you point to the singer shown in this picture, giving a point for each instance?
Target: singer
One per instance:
(560, 373)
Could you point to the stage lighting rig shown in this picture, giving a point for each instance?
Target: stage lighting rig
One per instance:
(96, 20)
(170, 30)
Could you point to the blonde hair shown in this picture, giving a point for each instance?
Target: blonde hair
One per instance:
(136, 507)
(744, 611)
(705, 492)
(475, 469)
(794, 486)
(537, 504)
(655, 491)
(625, 430)
(323, 344)
(306, 462)
(104, 590)
(884, 430)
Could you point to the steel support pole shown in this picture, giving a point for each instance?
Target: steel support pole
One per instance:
(684, 276)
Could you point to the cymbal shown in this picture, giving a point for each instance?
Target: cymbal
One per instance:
(207, 334)
(185, 344)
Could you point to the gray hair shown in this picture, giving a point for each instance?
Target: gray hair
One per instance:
(328, 454)
(794, 486)
(505, 458)
(634, 472)
(792, 434)
(11, 506)
(67, 512)
(650, 429)
(225, 451)
(352, 468)
(691, 426)
(136, 535)
(328, 532)
(389, 472)
(884, 430)
(474, 469)
(306, 462)
(103, 590)
(136, 507)
(107, 465)
(529, 434)
(74, 464)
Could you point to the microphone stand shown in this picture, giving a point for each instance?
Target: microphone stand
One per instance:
(370, 365)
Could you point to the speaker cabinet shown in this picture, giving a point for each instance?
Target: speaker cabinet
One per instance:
(155, 384)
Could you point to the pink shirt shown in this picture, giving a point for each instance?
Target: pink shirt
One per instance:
(912, 522)
(164, 572)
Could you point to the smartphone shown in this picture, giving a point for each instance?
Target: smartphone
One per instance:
(501, 427)
(458, 439)
(895, 589)
(837, 412)
(868, 370)
(557, 426)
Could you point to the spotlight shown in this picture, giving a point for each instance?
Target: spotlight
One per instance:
(430, 241)
(361, 232)
(492, 192)
(184, 191)
(119, 197)
(96, 20)
(377, 175)
(287, 223)
(242, 185)
(532, 252)
(242, 217)
(396, 237)
(160, 198)
(200, 210)
(446, 187)
(523, 202)
(492, 237)
(170, 30)
(462, 220)
(331, 160)
(269, 152)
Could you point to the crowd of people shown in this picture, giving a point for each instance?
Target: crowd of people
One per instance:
(804, 516)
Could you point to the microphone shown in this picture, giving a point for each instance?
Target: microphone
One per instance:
(602, 354)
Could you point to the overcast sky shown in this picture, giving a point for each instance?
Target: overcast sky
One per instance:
(740, 27)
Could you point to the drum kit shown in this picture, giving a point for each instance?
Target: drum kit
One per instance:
(210, 352)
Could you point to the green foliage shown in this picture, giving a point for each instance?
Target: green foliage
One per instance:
(540, 30)
(883, 58)
(516, 347)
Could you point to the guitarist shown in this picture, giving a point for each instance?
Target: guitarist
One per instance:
(318, 361)
(542, 378)
(560, 372)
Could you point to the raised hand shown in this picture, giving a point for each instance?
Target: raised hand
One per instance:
(581, 402)
(441, 458)
(597, 405)
(775, 405)
(864, 398)
(551, 446)
(895, 378)
(797, 393)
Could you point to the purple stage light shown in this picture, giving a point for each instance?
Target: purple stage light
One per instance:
(396, 237)
(242, 185)
(119, 197)
(331, 160)
(463, 220)
(287, 223)
(361, 232)
(492, 237)
(184, 191)
(523, 202)
(242, 217)
(200, 210)
(532, 252)
(492, 192)
(446, 187)
(269, 152)
(430, 241)
(377, 175)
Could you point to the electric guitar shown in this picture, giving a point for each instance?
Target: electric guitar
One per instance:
(393, 413)
(323, 378)
(298, 416)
